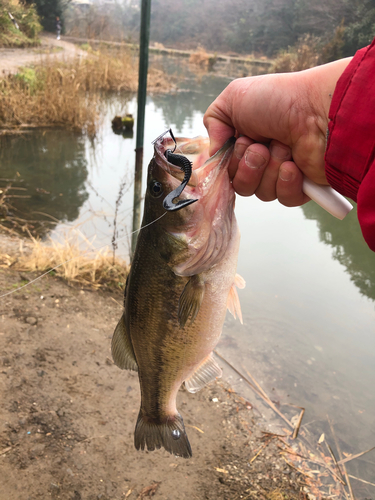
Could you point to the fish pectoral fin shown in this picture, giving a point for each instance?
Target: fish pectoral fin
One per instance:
(208, 371)
(233, 302)
(122, 348)
(190, 300)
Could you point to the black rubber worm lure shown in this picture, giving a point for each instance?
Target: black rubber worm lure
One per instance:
(186, 166)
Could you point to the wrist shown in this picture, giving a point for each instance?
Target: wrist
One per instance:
(321, 82)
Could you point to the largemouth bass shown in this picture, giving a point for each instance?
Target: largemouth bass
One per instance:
(182, 280)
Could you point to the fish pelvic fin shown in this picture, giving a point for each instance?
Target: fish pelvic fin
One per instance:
(122, 348)
(233, 302)
(208, 371)
(169, 434)
(190, 300)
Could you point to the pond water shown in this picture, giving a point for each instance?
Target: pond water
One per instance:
(309, 318)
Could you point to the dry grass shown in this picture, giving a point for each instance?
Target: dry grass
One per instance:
(202, 59)
(74, 260)
(68, 93)
(302, 56)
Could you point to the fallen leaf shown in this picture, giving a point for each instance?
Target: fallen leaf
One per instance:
(149, 491)
(221, 470)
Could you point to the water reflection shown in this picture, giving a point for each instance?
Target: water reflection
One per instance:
(180, 107)
(349, 247)
(52, 167)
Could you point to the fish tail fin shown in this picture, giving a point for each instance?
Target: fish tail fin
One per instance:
(169, 434)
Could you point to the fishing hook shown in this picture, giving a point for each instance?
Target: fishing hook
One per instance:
(186, 166)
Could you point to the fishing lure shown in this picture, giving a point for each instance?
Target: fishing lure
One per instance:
(186, 166)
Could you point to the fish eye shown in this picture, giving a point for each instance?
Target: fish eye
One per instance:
(156, 189)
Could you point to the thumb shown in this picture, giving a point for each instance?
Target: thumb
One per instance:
(219, 127)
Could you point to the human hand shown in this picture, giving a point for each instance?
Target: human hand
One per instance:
(267, 172)
(289, 113)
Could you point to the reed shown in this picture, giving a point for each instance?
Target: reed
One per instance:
(74, 259)
(69, 92)
(202, 59)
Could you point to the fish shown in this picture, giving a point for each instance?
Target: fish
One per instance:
(181, 282)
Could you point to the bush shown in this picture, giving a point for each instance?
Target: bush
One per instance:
(27, 20)
(303, 55)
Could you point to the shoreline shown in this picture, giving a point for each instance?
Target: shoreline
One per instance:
(66, 406)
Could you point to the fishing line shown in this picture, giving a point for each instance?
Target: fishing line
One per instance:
(77, 256)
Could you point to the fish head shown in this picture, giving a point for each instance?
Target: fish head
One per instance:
(203, 227)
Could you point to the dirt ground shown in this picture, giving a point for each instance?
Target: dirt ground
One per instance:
(12, 58)
(67, 413)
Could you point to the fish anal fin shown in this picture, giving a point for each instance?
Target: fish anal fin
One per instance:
(208, 371)
(122, 348)
(168, 433)
(233, 302)
(190, 300)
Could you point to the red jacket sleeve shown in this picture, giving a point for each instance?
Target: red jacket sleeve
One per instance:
(350, 154)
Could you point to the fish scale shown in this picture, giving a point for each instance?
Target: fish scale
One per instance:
(179, 287)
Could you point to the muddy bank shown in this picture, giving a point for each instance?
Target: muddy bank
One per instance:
(68, 414)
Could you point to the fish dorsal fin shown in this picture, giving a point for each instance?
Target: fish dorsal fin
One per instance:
(190, 300)
(233, 302)
(122, 348)
(208, 371)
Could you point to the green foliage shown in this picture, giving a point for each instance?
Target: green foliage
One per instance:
(85, 46)
(27, 20)
(360, 30)
(29, 78)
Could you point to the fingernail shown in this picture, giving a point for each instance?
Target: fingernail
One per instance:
(254, 160)
(239, 150)
(285, 175)
(280, 152)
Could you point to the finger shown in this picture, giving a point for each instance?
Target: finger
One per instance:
(279, 153)
(289, 185)
(219, 126)
(250, 169)
(242, 143)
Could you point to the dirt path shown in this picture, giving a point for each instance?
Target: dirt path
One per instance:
(67, 413)
(12, 59)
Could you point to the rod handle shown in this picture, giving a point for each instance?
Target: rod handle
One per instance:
(329, 199)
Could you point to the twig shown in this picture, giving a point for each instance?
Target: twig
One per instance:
(352, 457)
(195, 427)
(340, 457)
(336, 464)
(118, 303)
(259, 391)
(361, 480)
(117, 206)
(5, 450)
(259, 452)
(298, 425)
(296, 468)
